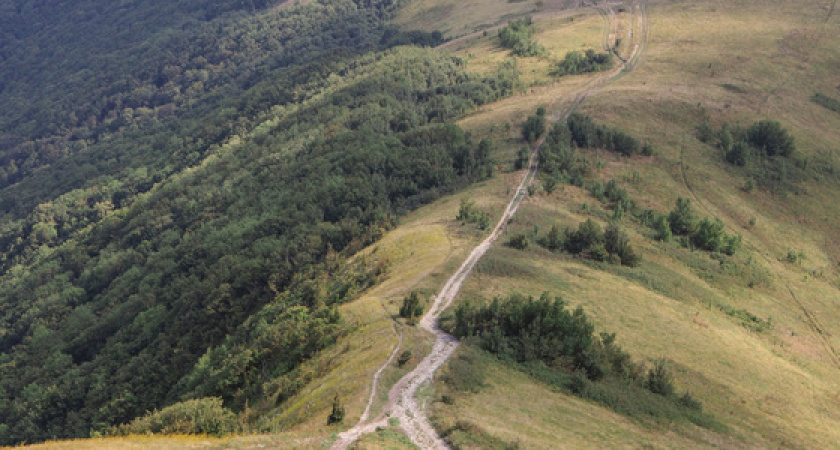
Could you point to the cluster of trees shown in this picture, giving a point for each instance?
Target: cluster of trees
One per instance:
(588, 134)
(589, 240)
(561, 161)
(149, 287)
(534, 126)
(469, 213)
(411, 307)
(543, 337)
(764, 150)
(576, 63)
(762, 139)
(705, 233)
(519, 37)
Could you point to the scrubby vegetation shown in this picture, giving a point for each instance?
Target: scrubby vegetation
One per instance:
(587, 134)
(590, 241)
(748, 320)
(826, 102)
(559, 346)
(200, 416)
(766, 152)
(337, 414)
(518, 241)
(576, 63)
(411, 307)
(469, 213)
(519, 37)
(534, 126)
(705, 233)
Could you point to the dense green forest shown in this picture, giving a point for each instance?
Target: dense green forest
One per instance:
(178, 220)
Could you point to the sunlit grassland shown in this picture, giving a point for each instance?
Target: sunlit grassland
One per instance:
(516, 408)
(456, 18)
(772, 388)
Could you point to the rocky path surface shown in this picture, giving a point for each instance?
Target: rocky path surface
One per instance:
(402, 401)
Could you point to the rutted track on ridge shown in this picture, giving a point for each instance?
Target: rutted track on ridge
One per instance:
(402, 403)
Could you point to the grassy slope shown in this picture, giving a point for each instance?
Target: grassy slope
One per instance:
(773, 389)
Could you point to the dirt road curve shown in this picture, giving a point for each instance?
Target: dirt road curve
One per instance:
(402, 402)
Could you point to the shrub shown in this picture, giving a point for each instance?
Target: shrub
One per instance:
(587, 238)
(337, 413)
(411, 307)
(558, 346)
(469, 213)
(682, 218)
(404, 358)
(519, 37)
(709, 235)
(200, 416)
(659, 380)
(555, 239)
(705, 133)
(617, 244)
(663, 229)
(534, 127)
(586, 133)
(826, 102)
(739, 154)
(522, 157)
(575, 63)
(771, 138)
(519, 241)
(527, 329)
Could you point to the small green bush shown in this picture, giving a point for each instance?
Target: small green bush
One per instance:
(404, 358)
(469, 213)
(659, 379)
(534, 126)
(519, 241)
(337, 413)
(576, 63)
(411, 307)
(519, 37)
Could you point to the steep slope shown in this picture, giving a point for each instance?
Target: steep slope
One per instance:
(155, 276)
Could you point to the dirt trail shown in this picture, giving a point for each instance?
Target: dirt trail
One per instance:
(402, 402)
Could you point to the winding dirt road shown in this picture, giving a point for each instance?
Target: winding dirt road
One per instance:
(402, 401)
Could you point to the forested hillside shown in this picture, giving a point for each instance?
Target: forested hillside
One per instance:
(65, 87)
(177, 217)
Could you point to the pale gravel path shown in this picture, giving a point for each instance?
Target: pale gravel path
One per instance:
(402, 402)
